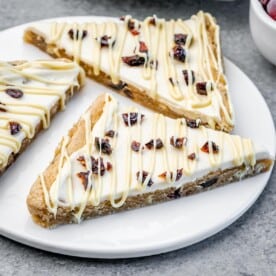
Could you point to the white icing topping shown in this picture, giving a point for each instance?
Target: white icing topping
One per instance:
(161, 75)
(40, 84)
(126, 178)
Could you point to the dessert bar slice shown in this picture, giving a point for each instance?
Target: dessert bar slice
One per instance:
(173, 67)
(31, 92)
(118, 158)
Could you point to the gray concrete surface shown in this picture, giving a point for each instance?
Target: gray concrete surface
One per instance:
(246, 248)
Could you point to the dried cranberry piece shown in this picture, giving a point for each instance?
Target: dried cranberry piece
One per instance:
(135, 32)
(152, 21)
(201, 88)
(135, 60)
(180, 39)
(135, 146)
(192, 123)
(143, 47)
(214, 146)
(186, 76)
(178, 142)
(164, 174)
(110, 133)
(144, 176)
(158, 144)
(95, 165)
(108, 166)
(192, 156)
(75, 33)
(179, 53)
(179, 173)
(130, 24)
(131, 118)
(103, 145)
(14, 93)
(14, 127)
(104, 41)
(131, 27)
(81, 159)
(84, 178)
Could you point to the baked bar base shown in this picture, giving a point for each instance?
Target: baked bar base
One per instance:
(26, 141)
(65, 215)
(142, 96)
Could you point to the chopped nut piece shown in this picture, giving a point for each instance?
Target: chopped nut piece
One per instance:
(144, 176)
(131, 118)
(14, 127)
(158, 144)
(14, 93)
(214, 147)
(178, 142)
(103, 145)
(135, 60)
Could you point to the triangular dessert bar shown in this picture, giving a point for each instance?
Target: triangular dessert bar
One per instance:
(119, 157)
(173, 67)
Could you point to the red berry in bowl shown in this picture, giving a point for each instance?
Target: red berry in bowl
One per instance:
(264, 2)
(271, 9)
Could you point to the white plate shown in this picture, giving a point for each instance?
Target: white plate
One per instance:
(141, 232)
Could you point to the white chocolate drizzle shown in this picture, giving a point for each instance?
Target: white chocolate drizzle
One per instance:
(161, 75)
(165, 167)
(41, 84)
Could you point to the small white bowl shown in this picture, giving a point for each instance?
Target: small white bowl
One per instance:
(263, 30)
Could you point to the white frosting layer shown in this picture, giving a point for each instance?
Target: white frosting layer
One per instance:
(42, 84)
(121, 181)
(159, 39)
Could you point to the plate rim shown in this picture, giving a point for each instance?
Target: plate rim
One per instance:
(168, 245)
